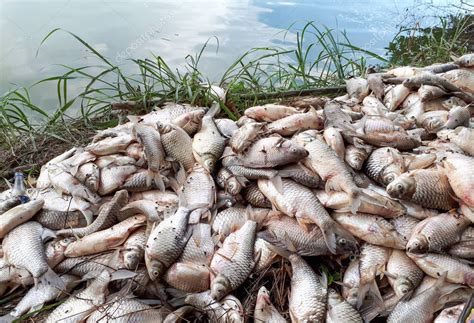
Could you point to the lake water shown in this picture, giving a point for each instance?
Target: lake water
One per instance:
(172, 29)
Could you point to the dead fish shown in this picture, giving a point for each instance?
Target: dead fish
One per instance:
(111, 145)
(371, 228)
(226, 127)
(233, 218)
(466, 60)
(35, 298)
(419, 308)
(166, 243)
(229, 309)
(339, 310)
(289, 200)
(43, 181)
(443, 104)
(271, 152)
(65, 183)
(190, 121)
(78, 307)
(134, 249)
(308, 296)
(376, 85)
(135, 151)
(188, 277)
(229, 182)
(55, 249)
(18, 215)
(285, 233)
(459, 171)
(351, 282)
(458, 116)
(106, 218)
(89, 265)
(426, 187)
(23, 247)
(301, 174)
(462, 78)
(357, 88)
(112, 178)
(208, 143)
(154, 152)
(232, 274)
(403, 274)
(371, 202)
(245, 136)
(297, 122)
(270, 112)
(463, 137)
(199, 188)
(404, 225)
(334, 139)
(136, 182)
(434, 234)
(114, 160)
(373, 260)
(177, 144)
(9, 203)
(429, 92)
(433, 121)
(266, 253)
(395, 96)
(89, 174)
(465, 247)
(152, 210)
(355, 156)
(255, 197)
(169, 112)
(264, 309)
(330, 167)
(412, 106)
(123, 310)
(450, 314)
(104, 240)
(435, 265)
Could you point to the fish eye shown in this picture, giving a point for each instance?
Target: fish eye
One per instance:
(155, 273)
(399, 187)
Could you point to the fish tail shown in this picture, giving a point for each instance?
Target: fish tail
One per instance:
(371, 310)
(51, 278)
(158, 178)
(329, 235)
(355, 198)
(276, 181)
(371, 289)
(214, 109)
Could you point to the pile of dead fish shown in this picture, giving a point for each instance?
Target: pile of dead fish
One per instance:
(169, 216)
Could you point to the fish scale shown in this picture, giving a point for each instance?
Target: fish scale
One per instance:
(233, 273)
(308, 293)
(23, 247)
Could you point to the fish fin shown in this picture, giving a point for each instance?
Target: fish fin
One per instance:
(355, 200)
(303, 223)
(323, 279)
(276, 181)
(88, 216)
(331, 185)
(279, 251)
(390, 275)
(47, 233)
(289, 243)
(158, 178)
(122, 274)
(342, 284)
(372, 289)
(371, 310)
(51, 278)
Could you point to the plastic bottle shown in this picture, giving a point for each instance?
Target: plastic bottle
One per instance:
(18, 189)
